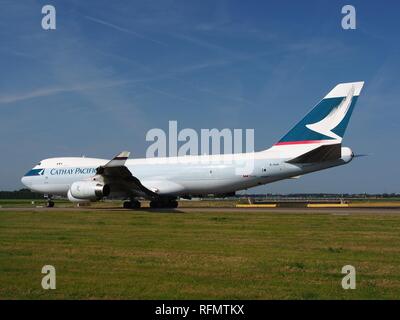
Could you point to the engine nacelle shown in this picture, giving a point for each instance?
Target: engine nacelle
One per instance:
(72, 199)
(87, 190)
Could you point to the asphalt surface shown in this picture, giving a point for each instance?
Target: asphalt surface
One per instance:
(333, 211)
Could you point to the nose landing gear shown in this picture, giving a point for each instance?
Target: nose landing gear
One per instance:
(49, 201)
(49, 204)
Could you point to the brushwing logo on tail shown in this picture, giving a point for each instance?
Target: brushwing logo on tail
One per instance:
(334, 118)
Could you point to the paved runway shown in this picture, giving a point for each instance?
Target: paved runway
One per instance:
(332, 211)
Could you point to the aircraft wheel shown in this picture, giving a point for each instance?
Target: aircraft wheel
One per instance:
(134, 204)
(154, 204)
(163, 204)
(174, 204)
(50, 204)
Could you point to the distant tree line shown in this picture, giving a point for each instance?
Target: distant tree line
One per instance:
(327, 195)
(20, 194)
(314, 195)
(27, 194)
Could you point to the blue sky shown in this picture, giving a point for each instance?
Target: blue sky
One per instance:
(111, 71)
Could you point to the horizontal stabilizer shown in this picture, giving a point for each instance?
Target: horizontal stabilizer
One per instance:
(323, 153)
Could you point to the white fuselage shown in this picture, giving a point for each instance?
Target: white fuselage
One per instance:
(183, 176)
(313, 144)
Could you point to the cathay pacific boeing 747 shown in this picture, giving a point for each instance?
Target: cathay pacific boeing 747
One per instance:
(313, 144)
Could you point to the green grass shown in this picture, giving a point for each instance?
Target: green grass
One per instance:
(241, 255)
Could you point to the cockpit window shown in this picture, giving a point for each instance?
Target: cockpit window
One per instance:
(35, 172)
(39, 163)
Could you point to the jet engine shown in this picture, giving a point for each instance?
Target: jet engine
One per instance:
(87, 190)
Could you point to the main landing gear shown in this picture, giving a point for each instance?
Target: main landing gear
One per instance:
(132, 204)
(159, 203)
(164, 203)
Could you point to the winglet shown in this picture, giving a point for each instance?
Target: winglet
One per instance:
(118, 160)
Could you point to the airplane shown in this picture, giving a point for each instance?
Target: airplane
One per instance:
(313, 144)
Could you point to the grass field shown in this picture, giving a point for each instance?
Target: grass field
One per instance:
(172, 255)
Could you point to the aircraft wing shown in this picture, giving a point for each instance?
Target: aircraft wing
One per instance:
(120, 179)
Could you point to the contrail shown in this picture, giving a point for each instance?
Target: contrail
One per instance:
(49, 91)
(113, 26)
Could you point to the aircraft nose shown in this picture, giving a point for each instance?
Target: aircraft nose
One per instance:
(25, 181)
